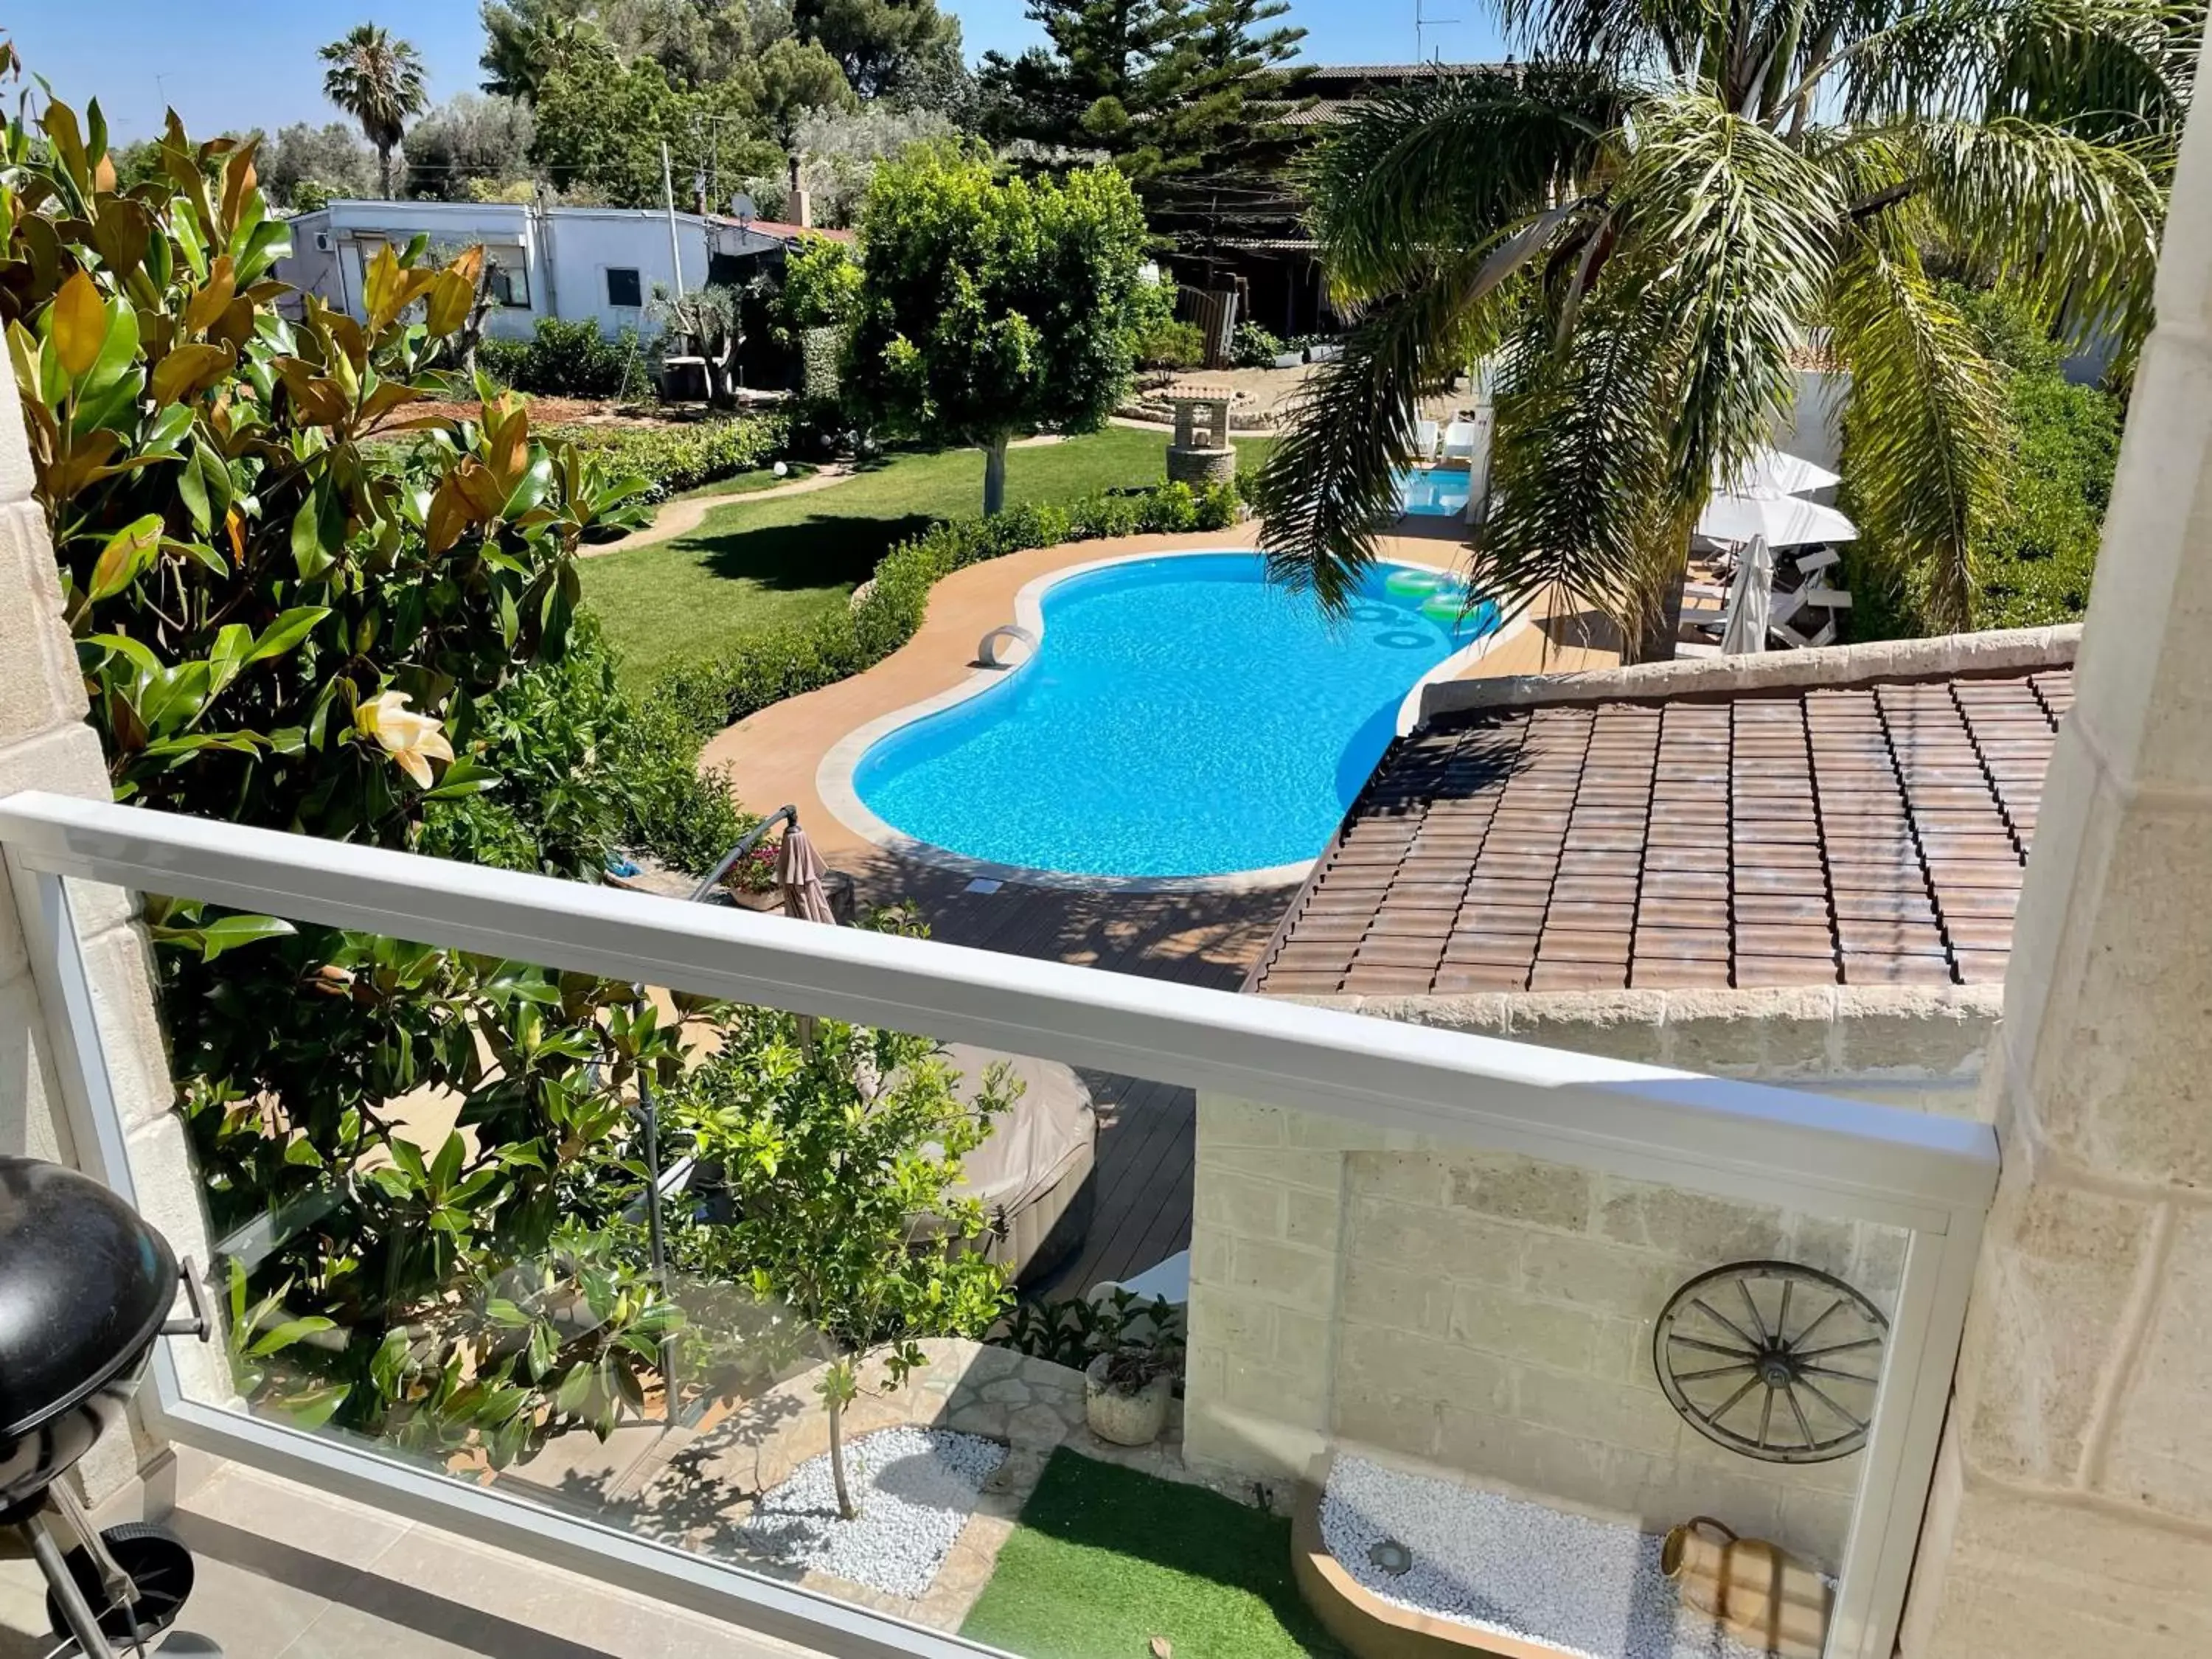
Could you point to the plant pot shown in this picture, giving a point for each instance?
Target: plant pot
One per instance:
(1125, 1419)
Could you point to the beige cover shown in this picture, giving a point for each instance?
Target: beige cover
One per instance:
(1033, 1174)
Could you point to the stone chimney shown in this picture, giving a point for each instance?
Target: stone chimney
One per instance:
(800, 211)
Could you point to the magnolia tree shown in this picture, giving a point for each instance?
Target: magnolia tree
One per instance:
(991, 306)
(282, 622)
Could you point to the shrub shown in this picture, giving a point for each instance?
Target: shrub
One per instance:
(1254, 347)
(1167, 343)
(582, 772)
(671, 459)
(704, 696)
(570, 360)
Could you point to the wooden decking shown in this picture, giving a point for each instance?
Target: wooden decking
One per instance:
(1147, 1129)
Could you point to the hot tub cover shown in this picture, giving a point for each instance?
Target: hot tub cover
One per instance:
(1034, 1169)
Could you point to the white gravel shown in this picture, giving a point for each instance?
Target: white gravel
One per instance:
(1505, 1565)
(915, 1489)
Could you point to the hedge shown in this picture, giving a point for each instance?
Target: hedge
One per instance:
(767, 668)
(679, 458)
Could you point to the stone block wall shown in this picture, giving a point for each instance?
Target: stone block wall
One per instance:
(1483, 1315)
(45, 743)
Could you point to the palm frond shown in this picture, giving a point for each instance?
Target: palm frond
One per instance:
(1331, 482)
(2105, 67)
(1581, 499)
(1452, 165)
(2070, 223)
(1924, 428)
(1739, 225)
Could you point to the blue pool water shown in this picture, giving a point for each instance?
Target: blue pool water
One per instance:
(1183, 717)
(1433, 492)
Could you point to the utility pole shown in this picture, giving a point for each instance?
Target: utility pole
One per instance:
(668, 191)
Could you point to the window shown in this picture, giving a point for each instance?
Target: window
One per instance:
(507, 277)
(625, 290)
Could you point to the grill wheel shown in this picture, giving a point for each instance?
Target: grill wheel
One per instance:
(161, 1569)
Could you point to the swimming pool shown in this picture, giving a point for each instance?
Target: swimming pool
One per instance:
(1433, 492)
(1182, 717)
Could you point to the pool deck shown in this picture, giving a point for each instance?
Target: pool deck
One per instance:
(1147, 1129)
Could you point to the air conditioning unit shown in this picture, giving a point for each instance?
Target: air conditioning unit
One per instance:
(323, 241)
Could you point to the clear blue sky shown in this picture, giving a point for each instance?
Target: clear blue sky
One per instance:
(252, 62)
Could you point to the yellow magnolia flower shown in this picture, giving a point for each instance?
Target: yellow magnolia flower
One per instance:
(414, 740)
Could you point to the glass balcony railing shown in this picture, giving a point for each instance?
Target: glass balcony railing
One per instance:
(896, 1298)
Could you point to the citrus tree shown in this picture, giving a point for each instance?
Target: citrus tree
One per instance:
(1656, 221)
(990, 306)
(840, 1146)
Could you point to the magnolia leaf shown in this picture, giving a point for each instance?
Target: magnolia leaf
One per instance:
(214, 298)
(80, 325)
(287, 631)
(127, 554)
(190, 369)
(292, 1330)
(228, 933)
(313, 1407)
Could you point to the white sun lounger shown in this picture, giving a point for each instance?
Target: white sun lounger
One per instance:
(1426, 436)
(1459, 441)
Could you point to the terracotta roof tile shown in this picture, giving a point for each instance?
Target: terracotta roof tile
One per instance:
(1872, 834)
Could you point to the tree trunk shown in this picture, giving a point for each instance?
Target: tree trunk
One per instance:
(384, 170)
(994, 475)
(845, 1505)
(1655, 640)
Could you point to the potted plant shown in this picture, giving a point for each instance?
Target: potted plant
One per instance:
(1126, 1388)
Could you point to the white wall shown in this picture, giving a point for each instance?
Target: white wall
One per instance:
(565, 253)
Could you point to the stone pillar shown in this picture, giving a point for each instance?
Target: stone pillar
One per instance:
(2072, 1513)
(1186, 423)
(45, 743)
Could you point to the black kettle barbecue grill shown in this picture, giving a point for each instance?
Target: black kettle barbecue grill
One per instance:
(85, 1288)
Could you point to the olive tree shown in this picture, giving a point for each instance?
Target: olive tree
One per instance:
(990, 306)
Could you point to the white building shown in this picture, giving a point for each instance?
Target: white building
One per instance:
(571, 262)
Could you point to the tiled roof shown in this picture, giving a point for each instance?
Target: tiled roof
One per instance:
(1863, 834)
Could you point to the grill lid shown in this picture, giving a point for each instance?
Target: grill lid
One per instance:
(85, 1285)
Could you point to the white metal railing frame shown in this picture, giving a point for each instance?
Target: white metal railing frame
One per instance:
(1932, 1176)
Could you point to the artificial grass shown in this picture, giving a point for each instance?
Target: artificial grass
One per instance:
(753, 566)
(1104, 1559)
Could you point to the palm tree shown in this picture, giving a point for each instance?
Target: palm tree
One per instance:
(378, 81)
(1674, 204)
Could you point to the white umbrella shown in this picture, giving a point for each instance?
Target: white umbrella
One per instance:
(1783, 520)
(1751, 601)
(1772, 472)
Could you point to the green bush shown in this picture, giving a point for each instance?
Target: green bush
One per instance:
(583, 771)
(767, 668)
(672, 458)
(1167, 343)
(1254, 347)
(568, 360)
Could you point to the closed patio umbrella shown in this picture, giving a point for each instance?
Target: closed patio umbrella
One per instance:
(1751, 601)
(1783, 520)
(798, 872)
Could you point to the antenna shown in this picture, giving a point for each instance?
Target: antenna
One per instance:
(1422, 24)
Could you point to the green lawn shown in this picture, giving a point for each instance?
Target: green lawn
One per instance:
(756, 565)
(743, 483)
(1105, 1559)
